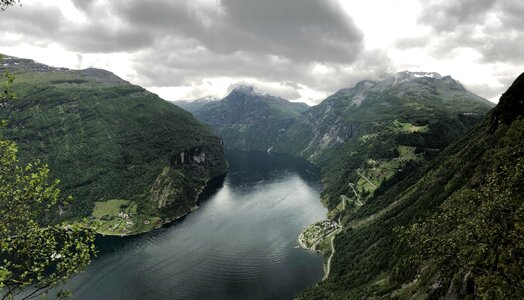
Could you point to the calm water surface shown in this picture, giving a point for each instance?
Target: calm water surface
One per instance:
(240, 244)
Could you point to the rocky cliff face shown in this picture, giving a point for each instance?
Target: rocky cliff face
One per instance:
(171, 189)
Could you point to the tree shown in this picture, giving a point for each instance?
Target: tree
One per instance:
(36, 249)
(479, 234)
(4, 4)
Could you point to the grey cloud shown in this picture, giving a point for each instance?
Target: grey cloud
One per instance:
(184, 66)
(187, 66)
(292, 84)
(80, 59)
(85, 5)
(469, 24)
(513, 13)
(493, 28)
(370, 65)
(99, 38)
(177, 41)
(446, 15)
(33, 20)
(298, 29)
(491, 91)
(301, 30)
(47, 24)
(412, 42)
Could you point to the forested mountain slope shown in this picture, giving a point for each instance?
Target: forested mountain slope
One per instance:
(452, 229)
(131, 160)
(248, 120)
(364, 136)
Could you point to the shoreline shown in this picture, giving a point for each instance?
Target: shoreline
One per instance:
(321, 232)
(172, 219)
(318, 232)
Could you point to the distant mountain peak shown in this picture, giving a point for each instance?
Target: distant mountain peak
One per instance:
(208, 98)
(422, 78)
(26, 65)
(245, 89)
(408, 74)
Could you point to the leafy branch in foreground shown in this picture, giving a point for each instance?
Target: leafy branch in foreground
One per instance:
(479, 233)
(36, 251)
(4, 4)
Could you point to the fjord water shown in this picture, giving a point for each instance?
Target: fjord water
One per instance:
(240, 244)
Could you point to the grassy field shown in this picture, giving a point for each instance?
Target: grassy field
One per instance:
(119, 217)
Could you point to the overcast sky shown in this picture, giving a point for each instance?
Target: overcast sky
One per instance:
(298, 49)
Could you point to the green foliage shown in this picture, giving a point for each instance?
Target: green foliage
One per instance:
(119, 217)
(479, 232)
(467, 203)
(7, 80)
(8, 86)
(34, 249)
(107, 139)
(4, 4)
(396, 126)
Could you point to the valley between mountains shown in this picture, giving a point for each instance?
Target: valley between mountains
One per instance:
(401, 161)
(409, 164)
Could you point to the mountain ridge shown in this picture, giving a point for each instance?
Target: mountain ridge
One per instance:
(131, 160)
(449, 193)
(249, 120)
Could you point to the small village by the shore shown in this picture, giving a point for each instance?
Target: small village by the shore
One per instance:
(314, 234)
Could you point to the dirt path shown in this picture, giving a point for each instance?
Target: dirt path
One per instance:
(366, 179)
(328, 264)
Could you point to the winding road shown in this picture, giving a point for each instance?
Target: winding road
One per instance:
(328, 264)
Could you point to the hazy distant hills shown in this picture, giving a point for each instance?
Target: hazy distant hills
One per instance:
(106, 139)
(246, 119)
(194, 105)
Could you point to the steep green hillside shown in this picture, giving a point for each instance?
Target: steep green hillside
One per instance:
(106, 139)
(366, 135)
(469, 208)
(247, 120)
(420, 99)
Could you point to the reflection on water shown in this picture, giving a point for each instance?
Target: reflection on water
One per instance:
(240, 243)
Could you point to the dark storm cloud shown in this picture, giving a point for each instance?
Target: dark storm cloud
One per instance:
(268, 40)
(302, 30)
(177, 41)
